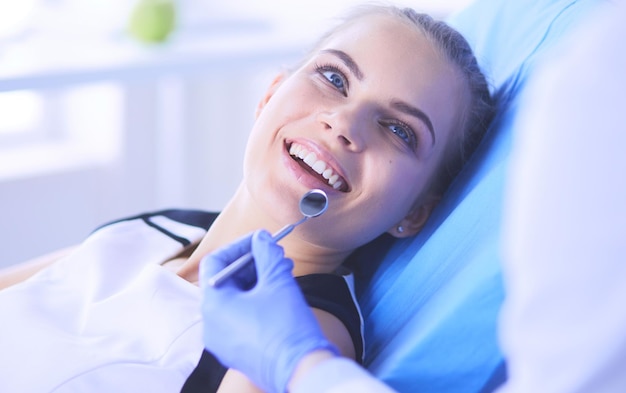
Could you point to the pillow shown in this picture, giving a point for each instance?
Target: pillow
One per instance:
(431, 304)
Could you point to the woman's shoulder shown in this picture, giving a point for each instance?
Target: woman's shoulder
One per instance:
(334, 293)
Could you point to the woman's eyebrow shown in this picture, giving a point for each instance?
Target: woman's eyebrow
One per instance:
(398, 105)
(347, 60)
(413, 111)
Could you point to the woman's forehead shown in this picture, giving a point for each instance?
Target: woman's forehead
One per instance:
(376, 27)
(387, 39)
(394, 52)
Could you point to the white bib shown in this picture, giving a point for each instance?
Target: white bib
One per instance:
(107, 318)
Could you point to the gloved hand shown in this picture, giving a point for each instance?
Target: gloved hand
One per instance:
(264, 331)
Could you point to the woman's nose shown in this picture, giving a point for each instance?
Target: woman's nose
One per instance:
(346, 124)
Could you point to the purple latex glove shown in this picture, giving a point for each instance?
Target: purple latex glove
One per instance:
(266, 330)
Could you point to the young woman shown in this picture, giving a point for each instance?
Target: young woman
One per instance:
(380, 115)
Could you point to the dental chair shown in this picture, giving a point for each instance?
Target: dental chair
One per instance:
(431, 303)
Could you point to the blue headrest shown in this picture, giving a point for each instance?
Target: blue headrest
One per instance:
(431, 306)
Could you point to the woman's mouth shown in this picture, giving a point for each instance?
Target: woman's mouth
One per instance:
(317, 166)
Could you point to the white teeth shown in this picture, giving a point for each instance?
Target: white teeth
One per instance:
(327, 173)
(310, 159)
(294, 149)
(318, 166)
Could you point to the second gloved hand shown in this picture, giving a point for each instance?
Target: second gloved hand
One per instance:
(262, 332)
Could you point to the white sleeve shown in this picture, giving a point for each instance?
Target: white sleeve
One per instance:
(564, 321)
(339, 375)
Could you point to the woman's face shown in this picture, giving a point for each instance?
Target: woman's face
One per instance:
(366, 119)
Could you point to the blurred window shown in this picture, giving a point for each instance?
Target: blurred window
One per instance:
(58, 129)
(22, 116)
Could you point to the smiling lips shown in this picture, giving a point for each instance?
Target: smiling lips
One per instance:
(318, 166)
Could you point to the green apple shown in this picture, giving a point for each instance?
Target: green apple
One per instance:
(152, 20)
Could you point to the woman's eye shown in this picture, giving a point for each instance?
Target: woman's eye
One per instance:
(334, 76)
(405, 134)
(335, 79)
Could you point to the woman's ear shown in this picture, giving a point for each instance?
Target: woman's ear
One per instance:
(415, 220)
(269, 93)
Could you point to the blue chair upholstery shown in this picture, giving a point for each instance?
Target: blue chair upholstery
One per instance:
(431, 306)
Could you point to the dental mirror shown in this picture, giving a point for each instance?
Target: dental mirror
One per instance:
(312, 204)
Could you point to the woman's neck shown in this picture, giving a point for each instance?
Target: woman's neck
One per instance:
(240, 217)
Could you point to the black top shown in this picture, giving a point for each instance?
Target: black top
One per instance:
(328, 292)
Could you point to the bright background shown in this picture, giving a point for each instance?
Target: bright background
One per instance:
(95, 125)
